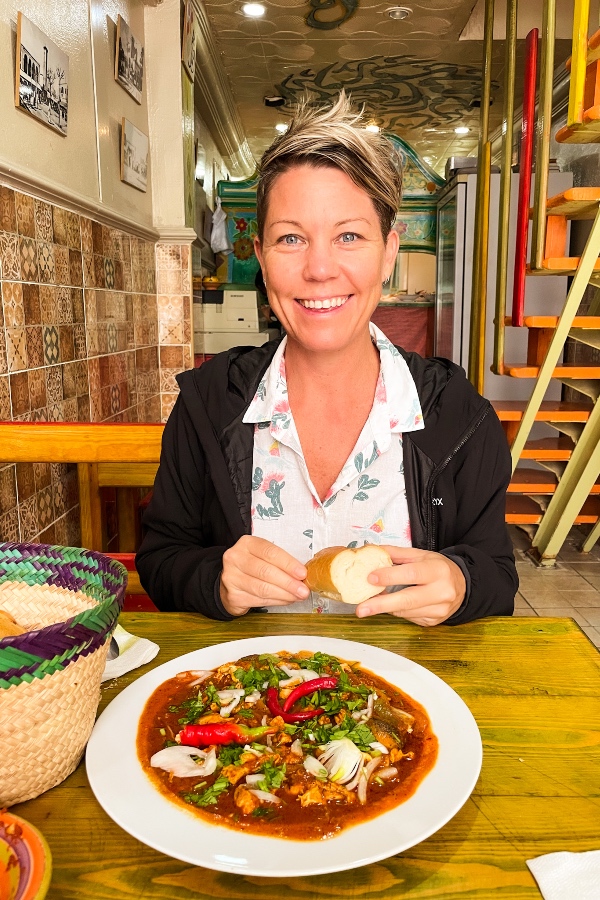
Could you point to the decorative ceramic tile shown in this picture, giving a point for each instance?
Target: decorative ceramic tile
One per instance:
(109, 272)
(59, 218)
(106, 403)
(167, 380)
(102, 332)
(118, 275)
(185, 282)
(76, 268)
(43, 221)
(35, 346)
(5, 411)
(3, 358)
(70, 380)
(64, 306)
(95, 407)
(25, 214)
(25, 481)
(28, 254)
(8, 213)
(67, 346)
(167, 402)
(112, 338)
(170, 334)
(28, 519)
(116, 238)
(99, 276)
(16, 349)
(94, 375)
(59, 498)
(107, 243)
(46, 265)
(54, 388)
(48, 304)
(58, 471)
(51, 344)
(185, 256)
(10, 259)
(79, 339)
(73, 232)
(45, 507)
(168, 256)
(87, 243)
(8, 489)
(127, 282)
(9, 526)
(31, 304)
(81, 377)
(19, 393)
(37, 388)
(77, 305)
(150, 281)
(83, 409)
(61, 264)
(101, 299)
(115, 399)
(89, 274)
(39, 415)
(93, 345)
(70, 410)
(12, 303)
(130, 336)
(97, 238)
(42, 475)
(55, 412)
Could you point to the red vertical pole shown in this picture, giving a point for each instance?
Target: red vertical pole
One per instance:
(527, 131)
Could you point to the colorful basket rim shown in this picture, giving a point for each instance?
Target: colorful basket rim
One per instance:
(46, 650)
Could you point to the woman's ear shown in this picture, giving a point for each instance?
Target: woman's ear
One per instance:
(391, 251)
(258, 251)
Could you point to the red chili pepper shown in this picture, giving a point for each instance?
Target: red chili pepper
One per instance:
(227, 733)
(275, 708)
(327, 682)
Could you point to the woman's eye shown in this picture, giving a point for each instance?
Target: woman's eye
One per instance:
(349, 237)
(290, 239)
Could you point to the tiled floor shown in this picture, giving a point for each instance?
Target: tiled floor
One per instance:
(571, 588)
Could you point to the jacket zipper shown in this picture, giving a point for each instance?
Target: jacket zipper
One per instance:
(437, 472)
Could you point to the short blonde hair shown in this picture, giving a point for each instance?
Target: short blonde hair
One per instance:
(333, 136)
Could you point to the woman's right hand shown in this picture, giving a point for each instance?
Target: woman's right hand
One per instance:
(258, 573)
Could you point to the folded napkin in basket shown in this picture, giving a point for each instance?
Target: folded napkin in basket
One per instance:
(133, 652)
(568, 876)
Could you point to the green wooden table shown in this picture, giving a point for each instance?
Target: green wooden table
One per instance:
(533, 687)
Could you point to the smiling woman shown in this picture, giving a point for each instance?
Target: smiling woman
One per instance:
(332, 436)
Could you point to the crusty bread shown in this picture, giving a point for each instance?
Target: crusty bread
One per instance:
(8, 626)
(340, 573)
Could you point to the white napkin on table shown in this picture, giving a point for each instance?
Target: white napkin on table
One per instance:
(133, 652)
(568, 876)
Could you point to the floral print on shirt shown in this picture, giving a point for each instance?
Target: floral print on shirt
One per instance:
(367, 502)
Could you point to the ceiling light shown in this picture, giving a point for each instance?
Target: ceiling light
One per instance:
(281, 127)
(254, 10)
(399, 12)
(462, 129)
(373, 127)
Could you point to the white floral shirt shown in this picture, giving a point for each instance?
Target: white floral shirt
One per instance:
(366, 504)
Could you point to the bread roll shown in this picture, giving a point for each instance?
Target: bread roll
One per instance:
(8, 626)
(340, 573)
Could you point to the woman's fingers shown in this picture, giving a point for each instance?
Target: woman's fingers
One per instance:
(258, 573)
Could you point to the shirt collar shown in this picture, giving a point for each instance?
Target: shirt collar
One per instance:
(396, 400)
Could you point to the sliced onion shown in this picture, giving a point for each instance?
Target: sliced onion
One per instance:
(352, 784)
(231, 698)
(250, 749)
(304, 674)
(361, 791)
(371, 766)
(314, 767)
(296, 747)
(341, 759)
(377, 745)
(200, 675)
(178, 761)
(358, 714)
(252, 698)
(388, 772)
(265, 796)
(255, 778)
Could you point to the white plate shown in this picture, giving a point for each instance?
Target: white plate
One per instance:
(130, 799)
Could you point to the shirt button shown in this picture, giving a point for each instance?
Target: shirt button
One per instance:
(320, 512)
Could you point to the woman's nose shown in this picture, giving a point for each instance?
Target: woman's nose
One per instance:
(320, 261)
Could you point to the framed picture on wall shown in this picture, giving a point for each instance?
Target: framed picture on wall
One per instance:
(134, 156)
(41, 76)
(129, 61)
(188, 41)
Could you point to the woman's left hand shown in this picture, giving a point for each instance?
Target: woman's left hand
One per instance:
(436, 587)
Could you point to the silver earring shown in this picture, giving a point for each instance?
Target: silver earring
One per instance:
(387, 280)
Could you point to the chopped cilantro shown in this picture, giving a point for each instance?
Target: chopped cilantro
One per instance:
(244, 713)
(229, 755)
(274, 776)
(263, 813)
(210, 796)
(212, 694)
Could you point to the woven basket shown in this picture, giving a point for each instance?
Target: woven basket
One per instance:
(70, 600)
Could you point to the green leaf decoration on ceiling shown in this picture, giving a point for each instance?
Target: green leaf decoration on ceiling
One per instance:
(346, 8)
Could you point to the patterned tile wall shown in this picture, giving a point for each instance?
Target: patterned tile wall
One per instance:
(81, 329)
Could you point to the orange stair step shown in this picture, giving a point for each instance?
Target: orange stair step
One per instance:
(574, 203)
(522, 510)
(586, 133)
(587, 372)
(558, 446)
(560, 265)
(537, 481)
(550, 411)
(552, 321)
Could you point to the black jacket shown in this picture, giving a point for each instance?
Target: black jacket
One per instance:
(456, 471)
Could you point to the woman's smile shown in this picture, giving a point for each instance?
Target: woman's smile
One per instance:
(323, 304)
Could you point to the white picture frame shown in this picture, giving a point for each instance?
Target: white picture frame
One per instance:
(129, 61)
(41, 76)
(134, 155)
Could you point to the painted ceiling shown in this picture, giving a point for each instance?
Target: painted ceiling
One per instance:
(415, 77)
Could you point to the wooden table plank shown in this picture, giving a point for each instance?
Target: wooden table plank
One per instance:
(532, 685)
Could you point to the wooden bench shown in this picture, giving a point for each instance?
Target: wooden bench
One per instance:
(124, 457)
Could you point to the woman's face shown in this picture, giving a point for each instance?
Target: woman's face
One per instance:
(323, 257)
